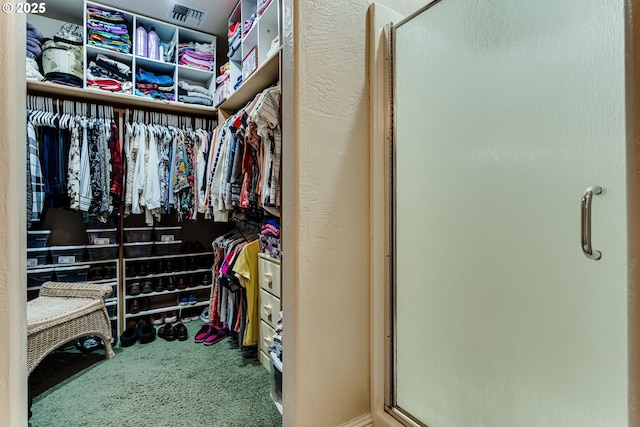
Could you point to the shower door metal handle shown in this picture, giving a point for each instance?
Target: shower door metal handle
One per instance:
(587, 247)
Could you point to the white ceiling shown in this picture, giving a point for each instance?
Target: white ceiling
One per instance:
(216, 21)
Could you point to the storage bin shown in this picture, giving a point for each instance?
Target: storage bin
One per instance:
(37, 256)
(102, 236)
(137, 234)
(37, 277)
(37, 238)
(168, 248)
(72, 274)
(102, 252)
(276, 380)
(67, 254)
(137, 249)
(167, 234)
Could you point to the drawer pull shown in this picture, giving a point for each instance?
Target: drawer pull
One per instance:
(269, 278)
(267, 340)
(267, 310)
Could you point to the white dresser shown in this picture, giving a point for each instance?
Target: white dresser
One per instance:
(269, 276)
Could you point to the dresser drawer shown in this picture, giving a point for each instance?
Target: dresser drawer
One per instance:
(265, 360)
(269, 308)
(269, 274)
(266, 336)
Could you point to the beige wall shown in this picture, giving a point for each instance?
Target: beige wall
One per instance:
(13, 334)
(326, 219)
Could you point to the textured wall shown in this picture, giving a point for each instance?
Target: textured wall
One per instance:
(327, 374)
(13, 365)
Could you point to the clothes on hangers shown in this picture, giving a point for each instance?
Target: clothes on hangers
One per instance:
(80, 158)
(166, 169)
(243, 168)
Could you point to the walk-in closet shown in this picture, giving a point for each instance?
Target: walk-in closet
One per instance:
(154, 146)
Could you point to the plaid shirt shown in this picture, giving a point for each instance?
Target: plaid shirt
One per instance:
(37, 181)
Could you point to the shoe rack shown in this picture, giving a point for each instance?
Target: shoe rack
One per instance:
(173, 279)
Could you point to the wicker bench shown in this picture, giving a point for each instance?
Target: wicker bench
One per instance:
(63, 312)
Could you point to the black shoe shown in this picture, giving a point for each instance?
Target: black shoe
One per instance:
(146, 333)
(142, 269)
(160, 285)
(129, 337)
(181, 332)
(152, 267)
(167, 332)
(146, 304)
(171, 283)
(134, 307)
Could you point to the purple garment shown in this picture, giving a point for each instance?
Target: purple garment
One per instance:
(197, 55)
(34, 48)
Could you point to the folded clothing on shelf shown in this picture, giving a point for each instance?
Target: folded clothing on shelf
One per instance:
(34, 52)
(154, 86)
(108, 30)
(194, 94)
(196, 55)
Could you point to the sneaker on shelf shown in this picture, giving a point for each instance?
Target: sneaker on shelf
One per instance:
(157, 318)
(204, 315)
(171, 317)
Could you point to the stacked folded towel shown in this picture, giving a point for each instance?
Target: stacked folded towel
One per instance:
(108, 74)
(108, 30)
(197, 55)
(194, 94)
(34, 52)
(154, 86)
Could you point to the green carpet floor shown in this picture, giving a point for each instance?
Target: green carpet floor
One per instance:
(177, 384)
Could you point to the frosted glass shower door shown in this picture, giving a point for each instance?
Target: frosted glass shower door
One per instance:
(505, 113)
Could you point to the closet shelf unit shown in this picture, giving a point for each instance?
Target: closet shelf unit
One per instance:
(167, 300)
(117, 99)
(169, 34)
(266, 75)
(254, 53)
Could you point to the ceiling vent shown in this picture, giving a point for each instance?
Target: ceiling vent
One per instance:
(185, 15)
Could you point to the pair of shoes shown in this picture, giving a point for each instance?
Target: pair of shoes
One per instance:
(210, 334)
(147, 287)
(171, 317)
(141, 331)
(171, 332)
(134, 289)
(157, 318)
(188, 299)
(146, 304)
